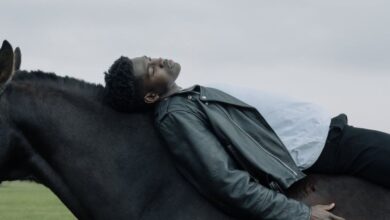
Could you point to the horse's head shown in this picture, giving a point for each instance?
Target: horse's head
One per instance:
(9, 62)
(6, 63)
(18, 160)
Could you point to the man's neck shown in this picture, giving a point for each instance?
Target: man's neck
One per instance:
(174, 88)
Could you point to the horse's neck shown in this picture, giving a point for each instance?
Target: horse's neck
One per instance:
(47, 121)
(87, 146)
(44, 110)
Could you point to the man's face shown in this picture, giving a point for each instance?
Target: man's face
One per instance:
(156, 75)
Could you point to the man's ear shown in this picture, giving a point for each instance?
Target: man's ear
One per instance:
(151, 97)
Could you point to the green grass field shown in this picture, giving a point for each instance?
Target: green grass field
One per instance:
(31, 201)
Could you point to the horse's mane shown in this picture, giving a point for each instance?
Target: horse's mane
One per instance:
(64, 83)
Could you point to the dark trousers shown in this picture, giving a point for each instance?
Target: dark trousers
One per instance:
(355, 151)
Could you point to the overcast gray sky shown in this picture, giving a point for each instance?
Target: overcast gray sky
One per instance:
(335, 53)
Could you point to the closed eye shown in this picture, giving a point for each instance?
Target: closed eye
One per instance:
(147, 58)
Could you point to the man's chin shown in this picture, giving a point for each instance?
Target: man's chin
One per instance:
(176, 70)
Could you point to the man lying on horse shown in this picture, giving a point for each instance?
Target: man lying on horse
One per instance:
(238, 156)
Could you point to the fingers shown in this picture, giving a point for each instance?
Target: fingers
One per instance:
(328, 207)
(325, 210)
(335, 217)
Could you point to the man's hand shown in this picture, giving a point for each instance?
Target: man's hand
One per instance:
(321, 212)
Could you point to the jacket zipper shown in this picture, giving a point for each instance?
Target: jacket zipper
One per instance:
(270, 154)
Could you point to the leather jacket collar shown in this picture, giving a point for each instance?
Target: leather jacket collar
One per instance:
(208, 94)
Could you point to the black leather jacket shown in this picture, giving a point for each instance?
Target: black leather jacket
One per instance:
(226, 149)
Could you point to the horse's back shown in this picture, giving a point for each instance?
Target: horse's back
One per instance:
(355, 198)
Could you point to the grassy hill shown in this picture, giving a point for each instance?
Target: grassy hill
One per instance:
(25, 200)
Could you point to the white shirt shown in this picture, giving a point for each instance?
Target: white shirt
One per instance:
(302, 126)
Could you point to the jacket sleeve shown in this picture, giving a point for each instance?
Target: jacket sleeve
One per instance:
(202, 159)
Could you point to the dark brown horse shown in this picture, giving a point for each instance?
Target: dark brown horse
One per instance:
(108, 165)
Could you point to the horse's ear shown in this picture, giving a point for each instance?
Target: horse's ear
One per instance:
(6, 63)
(17, 59)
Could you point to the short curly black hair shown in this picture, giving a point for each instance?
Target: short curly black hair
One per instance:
(123, 89)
